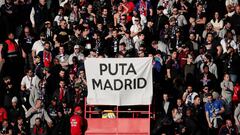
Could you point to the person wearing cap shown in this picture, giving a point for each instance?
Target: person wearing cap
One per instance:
(76, 122)
(79, 95)
(149, 31)
(160, 20)
(15, 111)
(77, 53)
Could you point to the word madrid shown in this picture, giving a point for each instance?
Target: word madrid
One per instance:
(116, 84)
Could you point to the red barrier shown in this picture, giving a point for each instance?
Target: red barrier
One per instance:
(118, 126)
(121, 126)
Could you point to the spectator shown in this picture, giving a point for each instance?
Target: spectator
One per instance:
(217, 22)
(38, 128)
(76, 122)
(63, 57)
(36, 115)
(3, 115)
(228, 128)
(14, 112)
(39, 15)
(188, 96)
(6, 128)
(213, 110)
(20, 127)
(227, 88)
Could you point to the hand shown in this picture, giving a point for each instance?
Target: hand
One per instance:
(33, 25)
(210, 125)
(24, 55)
(2, 60)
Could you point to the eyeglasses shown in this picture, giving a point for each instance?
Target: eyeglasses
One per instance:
(136, 20)
(123, 19)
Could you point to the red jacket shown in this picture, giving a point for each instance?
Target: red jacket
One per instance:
(76, 123)
(3, 114)
(236, 93)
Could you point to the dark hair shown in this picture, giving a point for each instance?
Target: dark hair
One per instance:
(196, 97)
(209, 94)
(204, 66)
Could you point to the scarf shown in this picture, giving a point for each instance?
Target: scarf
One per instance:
(47, 57)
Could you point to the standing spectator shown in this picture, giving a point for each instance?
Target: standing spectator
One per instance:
(60, 16)
(235, 20)
(14, 112)
(8, 91)
(127, 40)
(217, 22)
(189, 70)
(6, 129)
(200, 18)
(37, 112)
(181, 20)
(26, 41)
(231, 64)
(77, 122)
(227, 89)
(228, 129)
(3, 114)
(144, 8)
(38, 45)
(38, 128)
(39, 15)
(213, 111)
(173, 67)
(20, 127)
(62, 33)
(228, 41)
(75, 16)
(2, 57)
(227, 27)
(212, 66)
(62, 93)
(136, 29)
(237, 116)
(63, 58)
(188, 96)
(207, 78)
(160, 21)
(165, 122)
(8, 16)
(46, 55)
(14, 55)
(77, 53)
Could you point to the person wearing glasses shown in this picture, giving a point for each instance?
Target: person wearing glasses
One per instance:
(136, 29)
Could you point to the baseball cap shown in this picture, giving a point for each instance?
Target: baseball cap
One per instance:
(14, 99)
(76, 46)
(77, 109)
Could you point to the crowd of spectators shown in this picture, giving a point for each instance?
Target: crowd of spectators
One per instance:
(194, 46)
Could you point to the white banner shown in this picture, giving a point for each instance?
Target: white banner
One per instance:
(119, 81)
